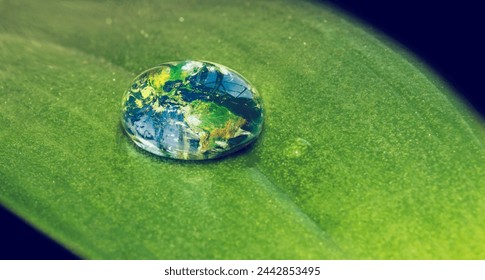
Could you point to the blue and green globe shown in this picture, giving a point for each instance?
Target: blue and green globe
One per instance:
(192, 110)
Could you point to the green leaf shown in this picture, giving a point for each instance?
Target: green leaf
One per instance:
(364, 153)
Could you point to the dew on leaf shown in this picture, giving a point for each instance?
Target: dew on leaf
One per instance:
(296, 148)
(191, 110)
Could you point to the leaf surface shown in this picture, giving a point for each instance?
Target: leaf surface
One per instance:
(364, 153)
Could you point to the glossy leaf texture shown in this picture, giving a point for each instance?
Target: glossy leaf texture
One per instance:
(364, 153)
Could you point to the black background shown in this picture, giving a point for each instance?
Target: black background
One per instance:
(446, 35)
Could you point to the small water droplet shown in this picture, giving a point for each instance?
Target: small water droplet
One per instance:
(191, 110)
(143, 33)
(181, 19)
(297, 148)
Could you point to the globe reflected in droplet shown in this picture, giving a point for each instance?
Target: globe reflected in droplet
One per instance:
(191, 110)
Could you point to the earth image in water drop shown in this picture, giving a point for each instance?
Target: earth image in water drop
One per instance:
(191, 110)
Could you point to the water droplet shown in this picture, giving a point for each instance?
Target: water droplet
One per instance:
(181, 19)
(144, 33)
(191, 110)
(297, 148)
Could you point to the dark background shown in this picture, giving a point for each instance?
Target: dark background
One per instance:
(445, 35)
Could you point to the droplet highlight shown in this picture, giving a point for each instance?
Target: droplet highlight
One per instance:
(297, 148)
(191, 110)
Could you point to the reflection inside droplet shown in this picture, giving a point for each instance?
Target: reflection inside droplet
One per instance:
(191, 110)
